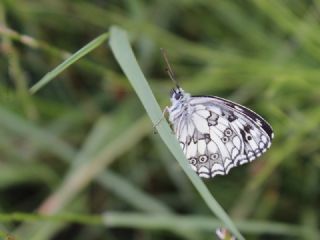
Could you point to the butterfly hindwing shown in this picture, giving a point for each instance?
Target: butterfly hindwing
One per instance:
(219, 135)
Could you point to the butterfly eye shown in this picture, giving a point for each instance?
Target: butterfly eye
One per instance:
(178, 95)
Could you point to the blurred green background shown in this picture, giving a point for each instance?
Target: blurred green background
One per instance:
(83, 144)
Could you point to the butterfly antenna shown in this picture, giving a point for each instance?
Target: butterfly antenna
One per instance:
(169, 69)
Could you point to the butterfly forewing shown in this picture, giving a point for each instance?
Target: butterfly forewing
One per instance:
(217, 135)
(235, 107)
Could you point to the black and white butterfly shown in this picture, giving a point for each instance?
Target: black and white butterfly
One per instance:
(216, 134)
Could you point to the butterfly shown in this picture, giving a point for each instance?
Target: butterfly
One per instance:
(216, 134)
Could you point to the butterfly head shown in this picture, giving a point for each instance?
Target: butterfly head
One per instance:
(178, 95)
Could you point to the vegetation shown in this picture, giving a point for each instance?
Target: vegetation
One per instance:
(79, 158)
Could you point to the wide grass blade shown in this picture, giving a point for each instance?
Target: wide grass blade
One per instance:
(70, 60)
(124, 55)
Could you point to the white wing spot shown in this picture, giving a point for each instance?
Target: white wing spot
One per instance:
(212, 147)
(200, 123)
(202, 146)
(203, 170)
(228, 168)
(243, 161)
(264, 139)
(191, 150)
(203, 113)
(235, 152)
(227, 162)
(204, 175)
(261, 145)
(237, 142)
(269, 144)
(190, 129)
(217, 167)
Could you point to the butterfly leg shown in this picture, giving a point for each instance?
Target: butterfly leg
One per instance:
(165, 110)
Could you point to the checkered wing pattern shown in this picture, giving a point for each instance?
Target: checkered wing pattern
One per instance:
(219, 135)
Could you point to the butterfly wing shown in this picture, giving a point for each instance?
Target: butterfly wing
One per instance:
(219, 135)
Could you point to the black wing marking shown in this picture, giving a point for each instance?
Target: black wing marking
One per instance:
(246, 112)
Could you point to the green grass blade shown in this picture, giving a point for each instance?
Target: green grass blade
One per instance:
(70, 60)
(200, 223)
(39, 137)
(160, 222)
(124, 55)
(133, 195)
